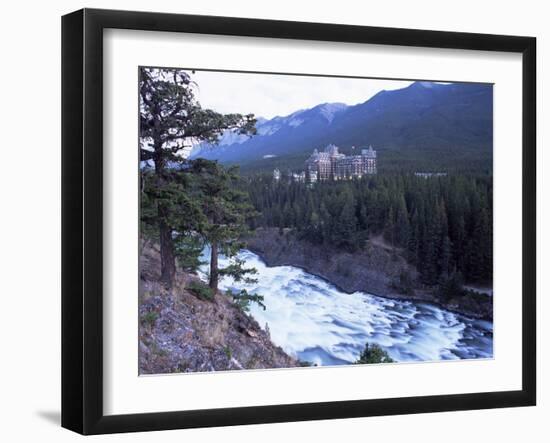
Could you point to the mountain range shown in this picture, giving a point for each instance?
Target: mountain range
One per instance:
(425, 126)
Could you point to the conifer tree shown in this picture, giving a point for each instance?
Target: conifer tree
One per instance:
(373, 353)
(227, 210)
(402, 227)
(344, 228)
(171, 119)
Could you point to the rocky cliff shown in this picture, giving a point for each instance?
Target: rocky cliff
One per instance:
(179, 332)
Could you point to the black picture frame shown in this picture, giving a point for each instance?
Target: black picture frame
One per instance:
(82, 215)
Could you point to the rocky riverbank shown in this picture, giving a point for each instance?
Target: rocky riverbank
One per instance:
(179, 332)
(376, 269)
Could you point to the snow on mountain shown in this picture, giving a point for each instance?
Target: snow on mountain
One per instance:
(267, 129)
(295, 122)
(228, 138)
(329, 110)
(312, 119)
(428, 85)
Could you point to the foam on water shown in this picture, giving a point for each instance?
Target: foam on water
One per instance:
(316, 322)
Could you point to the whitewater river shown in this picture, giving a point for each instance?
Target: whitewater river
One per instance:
(316, 322)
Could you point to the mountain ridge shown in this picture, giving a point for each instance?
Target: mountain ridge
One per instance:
(419, 123)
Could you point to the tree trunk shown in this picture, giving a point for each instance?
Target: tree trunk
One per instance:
(214, 267)
(167, 256)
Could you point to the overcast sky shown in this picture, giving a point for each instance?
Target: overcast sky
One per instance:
(269, 95)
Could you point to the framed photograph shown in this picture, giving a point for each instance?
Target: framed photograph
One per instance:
(269, 221)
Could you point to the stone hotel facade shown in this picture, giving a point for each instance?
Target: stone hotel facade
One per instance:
(331, 164)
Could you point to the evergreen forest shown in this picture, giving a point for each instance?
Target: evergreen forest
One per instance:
(442, 225)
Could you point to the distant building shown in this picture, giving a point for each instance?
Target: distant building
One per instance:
(313, 176)
(331, 164)
(300, 177)
(276, 174)
(430, 174)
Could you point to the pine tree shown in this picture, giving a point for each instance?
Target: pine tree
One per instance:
(227, 211)
(373, 353)
(344, 229)
(414, 239)
(182, 212)
(170, 117)
(402, 227)
(445, 257)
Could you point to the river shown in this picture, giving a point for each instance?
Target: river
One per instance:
(316, 322)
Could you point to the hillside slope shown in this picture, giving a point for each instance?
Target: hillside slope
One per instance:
(179, 332)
